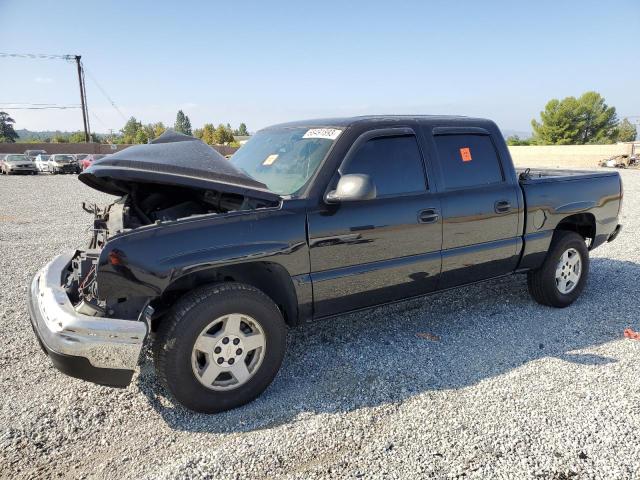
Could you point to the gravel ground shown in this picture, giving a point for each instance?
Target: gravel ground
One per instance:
(510, 390)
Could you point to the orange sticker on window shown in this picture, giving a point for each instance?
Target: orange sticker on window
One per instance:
(465, 153)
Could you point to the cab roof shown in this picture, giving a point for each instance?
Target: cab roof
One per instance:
(343, 122)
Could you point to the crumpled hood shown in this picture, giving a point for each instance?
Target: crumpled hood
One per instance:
(172, 159)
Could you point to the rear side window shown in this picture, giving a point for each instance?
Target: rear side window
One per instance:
(393, 163)
(468, 160)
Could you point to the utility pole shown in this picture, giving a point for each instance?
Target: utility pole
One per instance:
(83, 100)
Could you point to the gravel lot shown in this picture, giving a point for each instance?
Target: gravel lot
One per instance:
(511, 390)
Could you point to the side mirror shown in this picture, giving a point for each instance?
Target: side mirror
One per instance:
(352, 187)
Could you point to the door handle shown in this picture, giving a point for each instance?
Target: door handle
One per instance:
(428, 215)
(502, 206)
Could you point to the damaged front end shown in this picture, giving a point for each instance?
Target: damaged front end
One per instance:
(97, 333)
(145, 205)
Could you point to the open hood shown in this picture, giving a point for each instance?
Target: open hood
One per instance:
(172, 159)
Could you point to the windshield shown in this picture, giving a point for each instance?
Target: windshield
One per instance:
(284, 159)
(64, 158)
(16, 158)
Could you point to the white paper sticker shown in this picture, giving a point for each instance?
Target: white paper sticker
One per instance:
(328, 133)
(270, 159)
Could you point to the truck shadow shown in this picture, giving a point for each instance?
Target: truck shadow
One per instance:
(376, 357)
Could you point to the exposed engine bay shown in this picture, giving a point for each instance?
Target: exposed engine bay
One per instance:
(145, 204)
(149, 204)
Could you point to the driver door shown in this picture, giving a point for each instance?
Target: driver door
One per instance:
(375, 251)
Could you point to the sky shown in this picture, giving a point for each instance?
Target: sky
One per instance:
(267, 62)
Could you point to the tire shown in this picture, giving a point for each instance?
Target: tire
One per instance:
(178, 360)
(545, 286)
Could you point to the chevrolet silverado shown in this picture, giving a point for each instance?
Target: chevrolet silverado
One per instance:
(210, 260)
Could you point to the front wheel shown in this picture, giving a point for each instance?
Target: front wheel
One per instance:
(563, 275)
(220, 347)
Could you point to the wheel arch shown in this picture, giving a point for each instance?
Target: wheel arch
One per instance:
(583, 224)
(269, 277)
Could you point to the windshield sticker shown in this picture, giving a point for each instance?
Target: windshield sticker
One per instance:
(270, 159)
(465, 153)
(327, 133)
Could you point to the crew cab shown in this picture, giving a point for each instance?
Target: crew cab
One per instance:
(210, 259)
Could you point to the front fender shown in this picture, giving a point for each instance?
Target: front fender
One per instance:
(146, 261)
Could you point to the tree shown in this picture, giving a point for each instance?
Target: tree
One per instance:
(626, 131)
(78, 137)
(187, 126)
(558, 123)
(158, 129)
(178, 126)
(141, 136)
(242, 131)
(597, 122)
(59, 138)
(183, 124)
(208, 134)
(130, 130)
(7, 133)
(515, 140)
(587, 119)
(223, 135)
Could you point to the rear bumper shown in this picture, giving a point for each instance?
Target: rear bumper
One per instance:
(97, 349)
(615, 233)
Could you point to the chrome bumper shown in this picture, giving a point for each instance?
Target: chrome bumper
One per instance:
(110, 346)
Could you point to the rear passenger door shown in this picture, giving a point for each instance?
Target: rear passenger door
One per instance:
(370, 252)
(480, 207)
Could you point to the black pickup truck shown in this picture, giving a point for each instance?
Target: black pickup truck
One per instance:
(211, 259)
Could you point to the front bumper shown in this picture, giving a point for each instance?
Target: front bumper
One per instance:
(98, 349)
(14, 170)
(65, 168)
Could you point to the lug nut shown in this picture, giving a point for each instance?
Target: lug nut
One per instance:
(220, 360)
(225, 340)
(231, 361)
(217, 350)
(239, 351)
(236, 341)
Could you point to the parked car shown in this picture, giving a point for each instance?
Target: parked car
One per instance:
(42, 162)
(76, 164)
(308, 220)
(32, 154)
(13, 164)
(89, 159)
(62, 163)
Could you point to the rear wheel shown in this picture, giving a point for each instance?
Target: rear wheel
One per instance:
(220, 347)
(563, 275)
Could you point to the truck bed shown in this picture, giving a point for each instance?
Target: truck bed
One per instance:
(544, 175)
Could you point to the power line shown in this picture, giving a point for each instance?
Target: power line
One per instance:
(60, 107)
(82, 70)
(83, 92)
(99, 120)
(7, 104)
(38, 55)
(113, 104)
